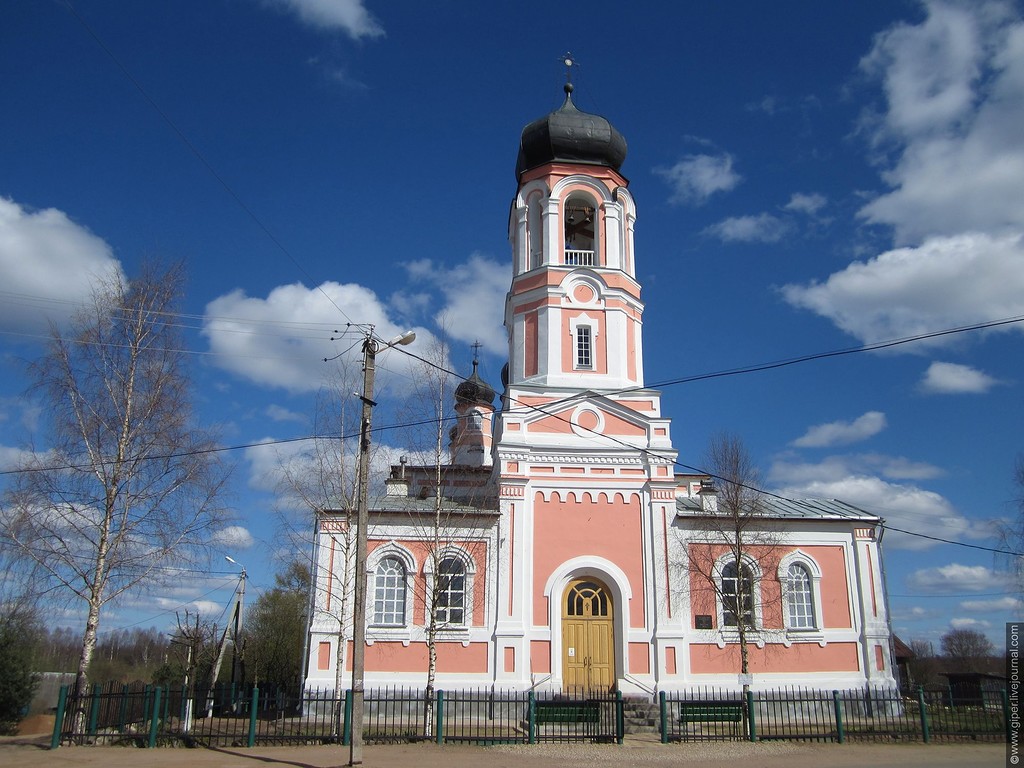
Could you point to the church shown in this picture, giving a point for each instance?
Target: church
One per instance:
(559, 548)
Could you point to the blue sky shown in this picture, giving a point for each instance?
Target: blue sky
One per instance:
(809, 177)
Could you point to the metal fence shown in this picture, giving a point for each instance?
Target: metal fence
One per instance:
(151, 716)
(875, 714)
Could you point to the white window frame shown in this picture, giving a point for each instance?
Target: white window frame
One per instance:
(813, 570)
(755, 597)
(390, 631)
(575, 325)
(395, 615)
(469, 580)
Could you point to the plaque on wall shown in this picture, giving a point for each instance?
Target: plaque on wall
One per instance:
(702, 621)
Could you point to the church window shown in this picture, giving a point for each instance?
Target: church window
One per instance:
(450, 600)
(389, 593)
(737, 592)
(584, 347)
(580, 231)
(799, 597)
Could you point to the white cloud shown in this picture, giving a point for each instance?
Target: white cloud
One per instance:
(279, 413)
(696, 177)
(48, 266)
(842, 432)
(348, 15)
(989, 606)
(954, 379)
(840, 466)
(968, 623)
(902, 505)
(234, 537)
(809, 204)
(762, 228)
(955, 578)
(474, 299)
(282, 340)
(954, 103)
(946, 282)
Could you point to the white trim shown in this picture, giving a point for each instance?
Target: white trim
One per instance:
(798, 557)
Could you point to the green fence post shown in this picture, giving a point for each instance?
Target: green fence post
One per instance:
(837, 705)
(154, 723)
(620, 718)
(751, 721)
(122, 714)
(531, 718)
(1006, 714)
(924, 715)
(253, 709)
(663, 705)
(346, 728)
(94, 709)
(62, 703)
(439, 718)
(146, 701)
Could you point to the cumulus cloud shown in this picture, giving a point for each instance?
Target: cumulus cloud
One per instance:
(762, 228)
(902, 505)
(809, 204)
(474, 299)
(282, 340)
(988, 606)
(234, 537)
(835, 467)
(48, 266)
(946, 282)
(954, 379)
(953, 90)
(842, 432)
(955, 578)
(349, 16)
(968, 623)
(695, 178)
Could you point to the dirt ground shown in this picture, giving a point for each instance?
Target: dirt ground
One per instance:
(31, 751)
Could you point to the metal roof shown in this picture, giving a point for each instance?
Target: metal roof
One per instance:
(797, 509)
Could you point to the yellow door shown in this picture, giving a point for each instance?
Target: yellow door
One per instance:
(588, 654)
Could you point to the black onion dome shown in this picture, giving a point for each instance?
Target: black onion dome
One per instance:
(568, 135)
(474, 390)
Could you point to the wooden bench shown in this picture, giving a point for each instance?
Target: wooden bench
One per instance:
(566, 712)
(730, 711)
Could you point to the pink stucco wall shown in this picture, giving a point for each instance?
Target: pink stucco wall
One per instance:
(800, 657)
(587, 524)
(451, 657)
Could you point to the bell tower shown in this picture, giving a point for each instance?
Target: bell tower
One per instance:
(573, 313)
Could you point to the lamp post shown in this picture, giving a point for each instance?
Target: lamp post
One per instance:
(370, 349)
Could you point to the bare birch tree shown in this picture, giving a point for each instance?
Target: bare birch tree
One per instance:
(317, 492)
(127, 484)
(451, 529)
(730, 543)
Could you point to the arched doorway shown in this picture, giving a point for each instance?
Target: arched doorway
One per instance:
(588, 646)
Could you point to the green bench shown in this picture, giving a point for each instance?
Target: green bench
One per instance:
(710, 711)
(566, 712)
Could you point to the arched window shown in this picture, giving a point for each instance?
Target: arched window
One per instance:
(737, 589)
(450, 597)
(800, 597)
(579, 215)
(389, 593)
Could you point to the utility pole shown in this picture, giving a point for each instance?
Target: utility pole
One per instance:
(370, 349)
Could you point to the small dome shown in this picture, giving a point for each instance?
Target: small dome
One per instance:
(568, 135)
(474, 390)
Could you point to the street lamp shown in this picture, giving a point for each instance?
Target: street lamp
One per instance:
(370, 349)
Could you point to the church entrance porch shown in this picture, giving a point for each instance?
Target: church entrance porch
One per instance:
(588, 651)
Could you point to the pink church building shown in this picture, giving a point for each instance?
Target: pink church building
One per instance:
(555, 554)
